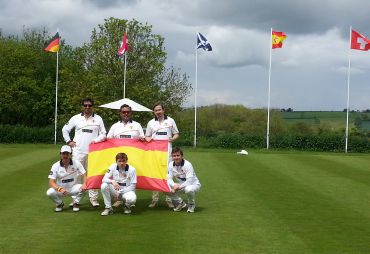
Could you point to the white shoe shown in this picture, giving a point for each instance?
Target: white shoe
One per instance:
(180, 206)
(107, 211)
(94, 202)
(191, 208)
(153, 203)
(126, 209)
(169, 203)
(71, 204)
(76, 207)
(118, 203)
(59, 207)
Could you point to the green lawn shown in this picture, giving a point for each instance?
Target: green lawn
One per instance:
(266, 202)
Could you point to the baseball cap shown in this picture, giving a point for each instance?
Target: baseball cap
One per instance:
(65, 149)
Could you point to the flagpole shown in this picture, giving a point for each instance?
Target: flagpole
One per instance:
(124, 72)
(348, 82)
(268, 98)
(195, 97)
(56, 98)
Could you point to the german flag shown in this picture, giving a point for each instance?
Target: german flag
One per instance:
(54, 44)
(149, 159)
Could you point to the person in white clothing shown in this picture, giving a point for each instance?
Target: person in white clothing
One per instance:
(89, 128)
(182, 179)
(126, 127)
(161, 127)
(63, 180)
(119, 182)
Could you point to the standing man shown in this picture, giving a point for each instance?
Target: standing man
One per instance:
(89, 128)
(119, 182)
(126, 127)
(161, 127)
(182, 179)
(63, 180)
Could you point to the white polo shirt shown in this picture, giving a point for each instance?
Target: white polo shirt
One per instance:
(182, 174)
(161, 131)
(86, 131)
(125, 177)
(66, 177)
(131, 129)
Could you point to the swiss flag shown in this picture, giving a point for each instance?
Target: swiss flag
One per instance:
(123, 47)
(359, 42)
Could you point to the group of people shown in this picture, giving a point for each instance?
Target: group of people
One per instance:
(68, 176)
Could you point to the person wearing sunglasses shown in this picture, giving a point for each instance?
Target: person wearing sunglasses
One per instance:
(126, 127)
(89, 128)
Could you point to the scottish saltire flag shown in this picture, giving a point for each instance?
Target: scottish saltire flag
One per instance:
(149, 159)
(203, 43)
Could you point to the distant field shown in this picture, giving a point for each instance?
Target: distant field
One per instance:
(267, 202)
(336, 119)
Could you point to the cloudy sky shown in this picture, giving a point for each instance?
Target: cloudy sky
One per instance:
(310, 72)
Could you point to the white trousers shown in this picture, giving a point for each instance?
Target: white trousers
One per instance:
(189, 192)
(83, 158)
(108, 191)
(57, 196)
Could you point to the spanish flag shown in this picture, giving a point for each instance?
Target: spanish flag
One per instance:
(277, 39)
(54, 44)
(149, 159)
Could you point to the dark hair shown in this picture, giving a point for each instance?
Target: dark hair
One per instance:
(177, 150)
(87, 99)
(158, 104)
(122, 156)
(125, 106)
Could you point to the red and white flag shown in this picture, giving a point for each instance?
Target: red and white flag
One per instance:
(123, 47)
(359, 42)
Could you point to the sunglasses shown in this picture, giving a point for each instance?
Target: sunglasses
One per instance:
(88, 105)
(126, 112)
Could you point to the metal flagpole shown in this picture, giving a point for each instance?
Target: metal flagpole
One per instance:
(268, 98)
(348, 80)
(56, 99)
(195, 97)
(124, 72)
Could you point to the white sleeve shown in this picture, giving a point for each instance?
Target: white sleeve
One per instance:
(80, 167)
(174, 128)
(170, 176)
(111, 131)
(102, 131)
(108, 176)
(189, 172)
(141, 132)
(67, 128)
(53, 172)
(148, 132)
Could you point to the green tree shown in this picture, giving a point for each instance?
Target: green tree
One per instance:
(26, 80)
(101, 72)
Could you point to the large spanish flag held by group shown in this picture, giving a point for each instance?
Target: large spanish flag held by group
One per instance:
(149, 159)
(54, 44)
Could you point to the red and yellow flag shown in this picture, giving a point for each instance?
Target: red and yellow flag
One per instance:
(149, 159)
(277, 39)
(54, 44)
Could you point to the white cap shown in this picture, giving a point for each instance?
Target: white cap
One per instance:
(66, 148)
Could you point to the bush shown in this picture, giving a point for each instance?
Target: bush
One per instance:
(23, 134)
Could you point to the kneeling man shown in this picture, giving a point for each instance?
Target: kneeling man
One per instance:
(182, 179)
(63, 180)
(119, 182)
